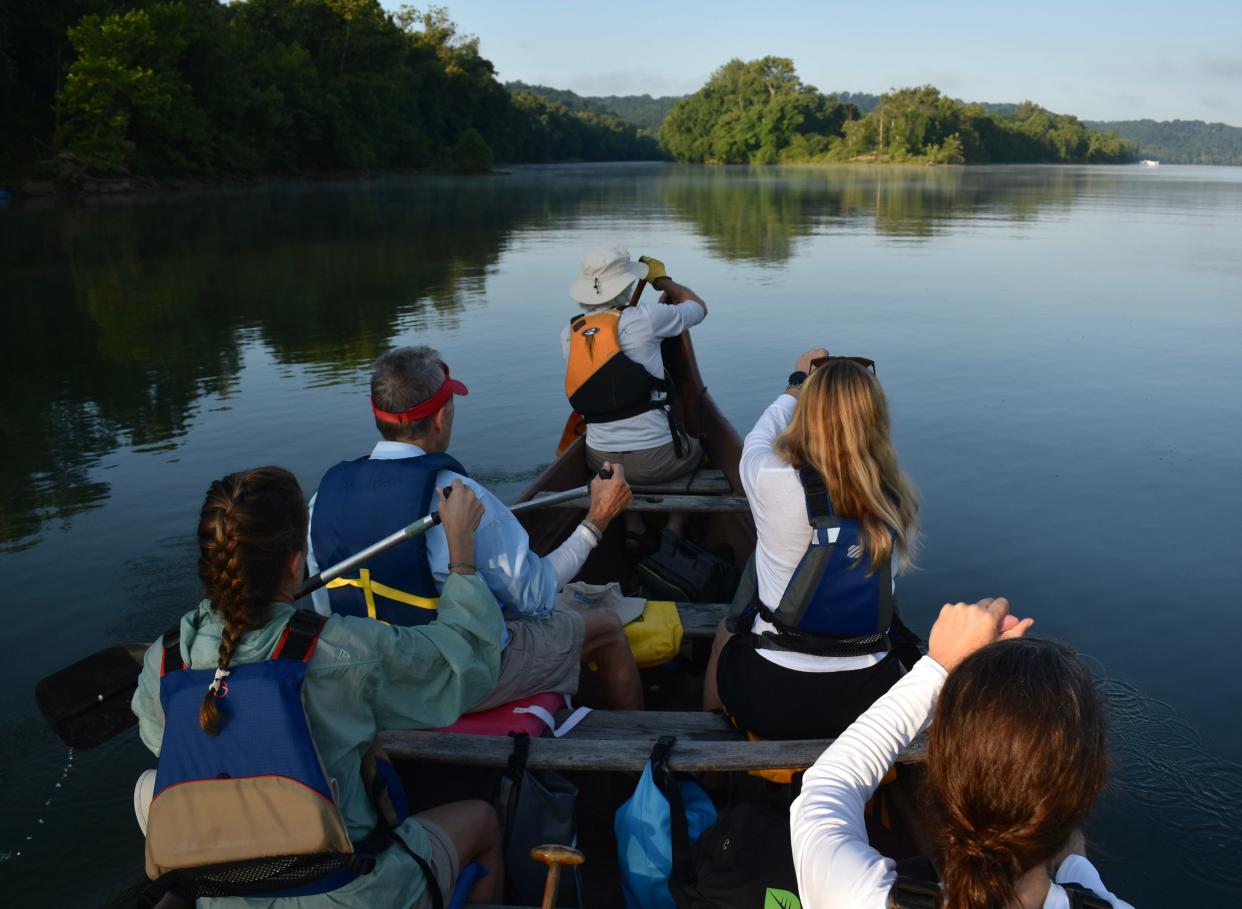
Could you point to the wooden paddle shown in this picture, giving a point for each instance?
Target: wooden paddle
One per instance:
(87, 703)
(554, 857)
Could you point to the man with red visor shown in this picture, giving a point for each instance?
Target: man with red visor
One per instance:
(361, 501)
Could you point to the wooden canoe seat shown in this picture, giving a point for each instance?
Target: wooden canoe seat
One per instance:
(672, 502)
(700, 482)
(622, 740)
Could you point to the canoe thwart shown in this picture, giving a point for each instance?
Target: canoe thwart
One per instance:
(701, 482)
(622, 741)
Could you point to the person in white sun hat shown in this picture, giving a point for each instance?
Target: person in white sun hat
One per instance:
(615, 375)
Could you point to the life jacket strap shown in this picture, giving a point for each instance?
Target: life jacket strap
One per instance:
(795, 640)
(171, 661)
(818, 502)
(384, 834)
(300, 636)
(1082, 898)
(372, 588)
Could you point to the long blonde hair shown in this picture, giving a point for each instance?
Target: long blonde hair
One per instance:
(840, 428)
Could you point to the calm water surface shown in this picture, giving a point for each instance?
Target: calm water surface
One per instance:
(1060, 346)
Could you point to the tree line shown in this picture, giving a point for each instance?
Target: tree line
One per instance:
(1181, 141)
(761, 112)
(644, 111)
(197, 87)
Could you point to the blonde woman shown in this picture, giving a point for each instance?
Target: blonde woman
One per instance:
(836, 517)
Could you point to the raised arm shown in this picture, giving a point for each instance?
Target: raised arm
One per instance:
(670, 291)
(835, 863)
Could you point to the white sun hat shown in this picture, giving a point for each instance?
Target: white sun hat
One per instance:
(606, 271)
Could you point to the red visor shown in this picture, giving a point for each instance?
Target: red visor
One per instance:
(427, 408)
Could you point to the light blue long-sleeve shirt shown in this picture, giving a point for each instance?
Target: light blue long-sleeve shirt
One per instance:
(521, 581)
(364, 677)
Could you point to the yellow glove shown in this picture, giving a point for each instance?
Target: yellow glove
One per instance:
(655, 269)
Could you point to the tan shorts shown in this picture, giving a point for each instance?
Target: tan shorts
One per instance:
(651, 465)
(444, 860)
(544, 654)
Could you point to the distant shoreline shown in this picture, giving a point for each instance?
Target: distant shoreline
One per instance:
(122, 187)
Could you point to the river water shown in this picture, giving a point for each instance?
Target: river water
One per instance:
(1061, 348)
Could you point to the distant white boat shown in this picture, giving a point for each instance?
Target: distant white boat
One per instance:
(1148, 162)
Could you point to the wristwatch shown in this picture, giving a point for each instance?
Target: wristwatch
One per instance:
(796, 378)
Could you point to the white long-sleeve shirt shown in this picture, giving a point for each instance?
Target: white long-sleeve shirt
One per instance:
(521, 581)
(835, 864)
(640, 329)
(778, 504)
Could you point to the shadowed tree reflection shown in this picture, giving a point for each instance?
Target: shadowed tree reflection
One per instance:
(758, 214)
(121, 317)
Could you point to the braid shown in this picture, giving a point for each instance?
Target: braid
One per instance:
(252, 522)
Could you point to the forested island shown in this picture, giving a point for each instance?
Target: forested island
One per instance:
(761, 112)
(170, 89)
(1170, 141)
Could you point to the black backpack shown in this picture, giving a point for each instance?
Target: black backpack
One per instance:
(745, 860)
(682, 571)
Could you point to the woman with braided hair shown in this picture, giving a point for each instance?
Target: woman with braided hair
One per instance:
(1016, 756)
(361, 677)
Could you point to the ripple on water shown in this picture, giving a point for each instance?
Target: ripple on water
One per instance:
(1161, 763)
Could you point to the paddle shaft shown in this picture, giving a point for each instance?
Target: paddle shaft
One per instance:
(421, 526)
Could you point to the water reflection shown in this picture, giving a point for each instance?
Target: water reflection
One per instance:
(121, 316)
(757, 215)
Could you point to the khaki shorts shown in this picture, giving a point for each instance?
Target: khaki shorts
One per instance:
(544, 654)
(444, 861)
(651, 465)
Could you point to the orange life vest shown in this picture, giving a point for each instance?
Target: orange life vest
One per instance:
(601, 382)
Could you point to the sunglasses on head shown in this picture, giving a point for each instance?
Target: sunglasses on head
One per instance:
(861, 361)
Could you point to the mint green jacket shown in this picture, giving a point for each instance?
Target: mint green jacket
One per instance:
(364, 677)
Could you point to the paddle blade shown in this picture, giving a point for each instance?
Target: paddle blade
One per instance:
(574, 427)
(88, 703)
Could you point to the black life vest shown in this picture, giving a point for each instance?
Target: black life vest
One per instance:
(601, 382)
(839, 602)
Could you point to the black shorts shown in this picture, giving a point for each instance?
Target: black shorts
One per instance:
(778, 703)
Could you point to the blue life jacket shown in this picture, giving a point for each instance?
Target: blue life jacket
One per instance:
(251, 810)
(839, 602)
(365, 500)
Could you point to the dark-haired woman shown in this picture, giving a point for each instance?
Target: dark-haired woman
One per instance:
(363, 676)
(1016, 756)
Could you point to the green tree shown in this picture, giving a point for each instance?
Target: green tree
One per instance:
(125, 101)
(750, 112)
(472, 154)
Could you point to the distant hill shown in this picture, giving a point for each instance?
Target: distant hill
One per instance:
(1170, 141)
(644, 111)
(1179, 141)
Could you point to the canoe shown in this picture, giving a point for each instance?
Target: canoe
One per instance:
(440, 767)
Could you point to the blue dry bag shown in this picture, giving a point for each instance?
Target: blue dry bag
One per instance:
(655, 828)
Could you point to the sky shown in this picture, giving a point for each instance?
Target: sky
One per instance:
(1097, 60)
